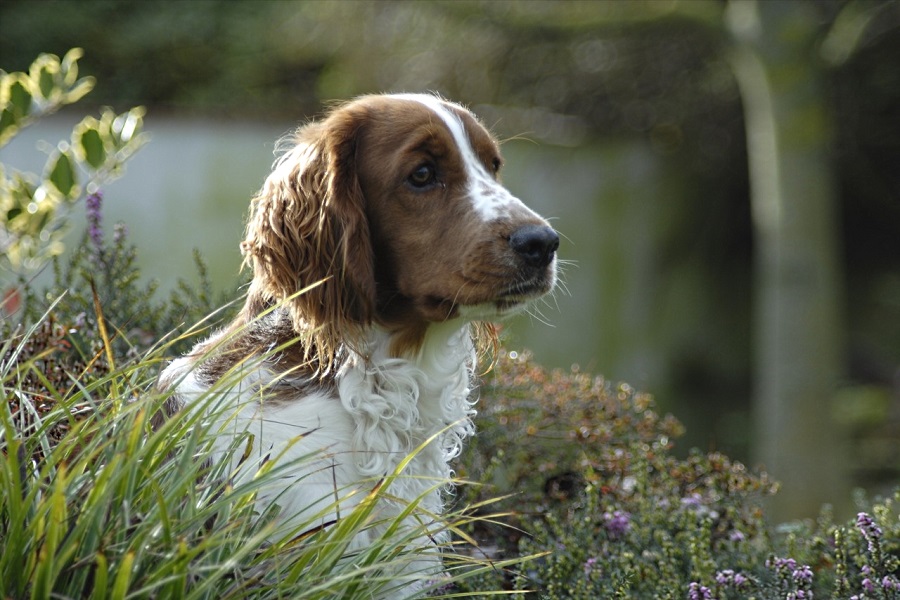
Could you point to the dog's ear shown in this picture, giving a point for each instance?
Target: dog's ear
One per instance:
(307, 240)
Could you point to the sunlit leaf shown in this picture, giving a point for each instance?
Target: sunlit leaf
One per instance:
(30, 211)
(81, 89)
(62, 174)
(19, 97)
(42, 220)
(17, 102)
(42, 75)
(69, 65)
(126, 127)
(8, 126)
(46, 81)
(90, 147)
(13, 213)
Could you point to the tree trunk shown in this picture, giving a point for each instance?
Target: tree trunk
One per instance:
(799, 345)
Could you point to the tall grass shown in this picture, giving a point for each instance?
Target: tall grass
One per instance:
(97, 503)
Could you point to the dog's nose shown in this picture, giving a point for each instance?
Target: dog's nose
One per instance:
(535, 243)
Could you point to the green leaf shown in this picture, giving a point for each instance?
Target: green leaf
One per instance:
(46, 81)
(62, 174)
(90, 144)
(127, 126)
(13, 213)
(80, 89)
(123, 577)
(19, 98)
(101, 576)
(15, 96)
(69, 65)
(8, 126)
(40, 221)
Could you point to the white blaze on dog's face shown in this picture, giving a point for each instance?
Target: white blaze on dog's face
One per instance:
(450, 240)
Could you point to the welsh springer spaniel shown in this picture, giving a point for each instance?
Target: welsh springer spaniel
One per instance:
(378, 241)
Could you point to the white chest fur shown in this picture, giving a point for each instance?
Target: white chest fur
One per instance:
(333, 445)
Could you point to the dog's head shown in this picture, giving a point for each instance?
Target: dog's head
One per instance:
(390, 211)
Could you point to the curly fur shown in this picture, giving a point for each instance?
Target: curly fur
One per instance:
(307, 244)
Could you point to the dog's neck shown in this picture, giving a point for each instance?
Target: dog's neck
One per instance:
(418, 404)
(400, 403)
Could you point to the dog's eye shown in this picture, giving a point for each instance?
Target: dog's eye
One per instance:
(422, 177)
(496, 164)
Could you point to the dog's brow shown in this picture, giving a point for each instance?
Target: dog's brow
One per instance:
(489, 198)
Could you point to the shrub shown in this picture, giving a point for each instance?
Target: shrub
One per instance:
(96, 315)
(598, 489)
(32, 208)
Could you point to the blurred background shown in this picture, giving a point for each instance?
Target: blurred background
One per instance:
(726, 177)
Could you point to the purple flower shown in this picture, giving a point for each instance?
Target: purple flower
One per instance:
(736, 536)
(92, 206)
(890, 584)
(616, 523)
(782, 565)
(867, 525)
(729, 579)
(804, 574)
(699, 592)
(787, 570)
(870, 531)
(692, 501)
(589, 566)
(120, 232)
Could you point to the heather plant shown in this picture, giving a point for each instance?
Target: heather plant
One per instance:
(597, 487)
(98, 314)
(98, 284)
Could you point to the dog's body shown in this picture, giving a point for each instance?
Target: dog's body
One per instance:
(381, 236)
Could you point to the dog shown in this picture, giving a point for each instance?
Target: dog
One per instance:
(380, 245)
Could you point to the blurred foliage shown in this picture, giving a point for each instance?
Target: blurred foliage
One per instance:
(97, 288)
(575, 69)
(49, 84)
(33, 208)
